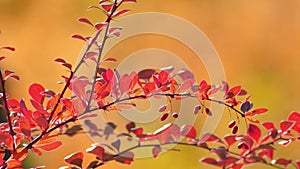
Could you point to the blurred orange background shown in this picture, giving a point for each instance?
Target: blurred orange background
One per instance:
(257, 41)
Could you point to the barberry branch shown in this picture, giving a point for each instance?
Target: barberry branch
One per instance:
(6, 109)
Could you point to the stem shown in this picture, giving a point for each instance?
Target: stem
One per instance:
(227, 105)
(163, 94)
(6, 109)
(169, 143)
(36, 139)
(60, 97)
(105, 37)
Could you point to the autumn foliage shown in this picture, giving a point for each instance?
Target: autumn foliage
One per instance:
(35, 124)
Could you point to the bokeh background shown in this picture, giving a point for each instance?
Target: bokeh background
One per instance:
(257, 41)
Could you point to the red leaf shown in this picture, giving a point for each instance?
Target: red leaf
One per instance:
(64, 63)
(295, 116)
(298, 164)
(254, 132)
(50, 146)
(286, 125)
(185, 74)
(281, 161)
(210, 161)
(97, 151)
(130, 126)
(125, 158)
(187, 84)
(129, 1)
(268, 125)
(120, 13)
(188, 131)
(208, 137)
(163, 76)
(106, 7)
(110, 60)
(100, 25)
(77, 36)
(8, 72)
(230, 139)
(259, 110)
(75, 159)
(167, 133)
(35, 90)
(2, 58)
(8, 48)
(137, 131)
(162, 108)
(149, 87)
(85, 20)
(233, 92)
(156, 151)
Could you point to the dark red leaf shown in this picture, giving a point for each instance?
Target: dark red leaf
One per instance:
(97, 151)
(235, 129)
(188, 131)
(164, 117)
(2, 58)
(175, 115)
(254, 132)
(156, 151)
(77, 36)
(146, 73)
(8, 48)
(208, 112)
(197, 109)
(85, 20)
(75, 159)
(130, 126)
(246, 106)
(232, 124)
